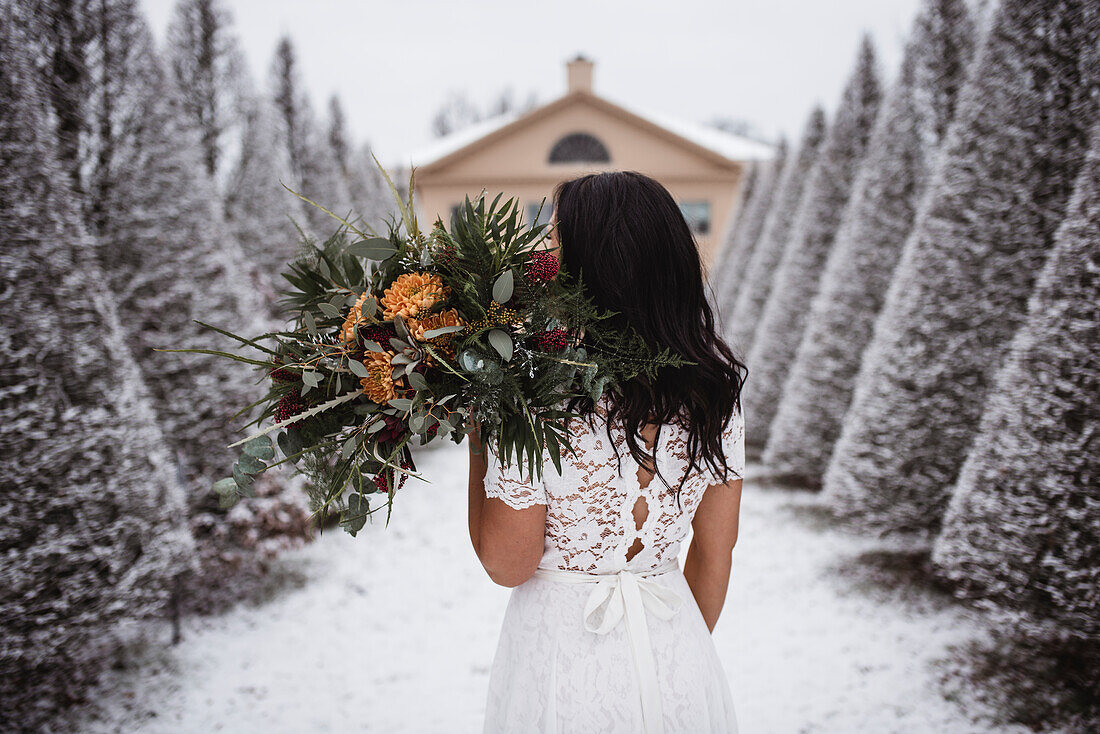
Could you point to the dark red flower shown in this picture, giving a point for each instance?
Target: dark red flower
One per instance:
(554, 340)
(394, 430)
(543, 267)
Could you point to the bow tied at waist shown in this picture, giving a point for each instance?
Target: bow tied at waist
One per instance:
(628, 595)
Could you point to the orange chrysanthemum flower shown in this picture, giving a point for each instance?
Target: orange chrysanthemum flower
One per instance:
(354, 318)
(378, 384)
(412, 293)
(449, 317)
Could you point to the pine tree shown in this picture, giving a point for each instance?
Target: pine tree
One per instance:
(373, 199)
(260, 213)
(1023, 526)
(315, 170)
(812, 235)
(878, 217)
(167, 254)
(730, 270)
(740, 325)
(64, 38)
(961, 286)
(368, 191)
(208, 68)
(92, 519)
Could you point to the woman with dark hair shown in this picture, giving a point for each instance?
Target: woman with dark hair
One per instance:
(604, 632)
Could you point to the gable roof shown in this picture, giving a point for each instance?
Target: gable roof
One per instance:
(717, 145)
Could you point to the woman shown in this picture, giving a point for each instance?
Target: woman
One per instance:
(603, 631)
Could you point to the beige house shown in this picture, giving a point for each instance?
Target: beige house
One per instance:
(526, 155)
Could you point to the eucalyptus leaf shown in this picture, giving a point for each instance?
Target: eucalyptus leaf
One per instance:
(357, 367)
(250, 464)
(349, 446)
(375, 248)
(401, 403)
(311, 324)
(372, 346)
(502, 288)
(501, 342)
(433, 333)
(369, 307)
(377, 426)
(417, 381)
(260, 447)
(356, 517)
(311, 378)
(329, 310)
(243, 482)
(225, 486)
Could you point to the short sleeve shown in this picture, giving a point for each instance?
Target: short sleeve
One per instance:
(733, 446)
(507, 483)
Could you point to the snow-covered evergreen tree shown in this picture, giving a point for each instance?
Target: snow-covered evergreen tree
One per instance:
(961, 287)
(171, 260)
(369, 194)
(374, 201)
(877, 220)
(1023, 525)
(740, 324)
(263, 216)
(207, 67)
(316, 172)
(92, 518)
(811, 239)
(735, 254)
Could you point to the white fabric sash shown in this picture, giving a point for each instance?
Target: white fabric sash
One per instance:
(627, 594)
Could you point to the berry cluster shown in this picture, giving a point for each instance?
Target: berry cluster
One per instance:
(381, 478)
(554, 340)
(543, 267)
(377, 333)
(290, 405)
(279, 374)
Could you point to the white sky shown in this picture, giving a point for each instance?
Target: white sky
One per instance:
(393, 63)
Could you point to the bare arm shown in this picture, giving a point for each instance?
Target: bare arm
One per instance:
(508, 542)
(710, 556)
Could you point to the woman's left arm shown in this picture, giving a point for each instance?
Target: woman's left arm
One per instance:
(508, 541)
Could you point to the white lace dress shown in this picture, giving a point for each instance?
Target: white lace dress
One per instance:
(631, 653)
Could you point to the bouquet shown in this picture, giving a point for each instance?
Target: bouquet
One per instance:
(408, 338)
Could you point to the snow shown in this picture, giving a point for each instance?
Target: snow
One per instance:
(444, 146)
(734, 147)
(395, 631)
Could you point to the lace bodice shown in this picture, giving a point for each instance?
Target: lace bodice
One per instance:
(590, 521)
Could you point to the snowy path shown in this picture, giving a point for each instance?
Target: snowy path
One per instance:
(395, 631)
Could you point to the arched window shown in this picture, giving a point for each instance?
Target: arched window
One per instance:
(579, 148)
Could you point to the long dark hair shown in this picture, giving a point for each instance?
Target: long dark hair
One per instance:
(624, 235)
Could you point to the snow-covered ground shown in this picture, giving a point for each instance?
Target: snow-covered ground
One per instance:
(394, 631)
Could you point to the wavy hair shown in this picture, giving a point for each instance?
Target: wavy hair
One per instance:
(625, 236)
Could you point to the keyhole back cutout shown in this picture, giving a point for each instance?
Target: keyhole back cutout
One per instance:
(641, 506)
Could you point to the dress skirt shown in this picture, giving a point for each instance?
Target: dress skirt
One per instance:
(552, 675)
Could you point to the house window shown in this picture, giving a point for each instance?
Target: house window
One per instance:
(579, 148)
(697, 215)
(543, 216)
